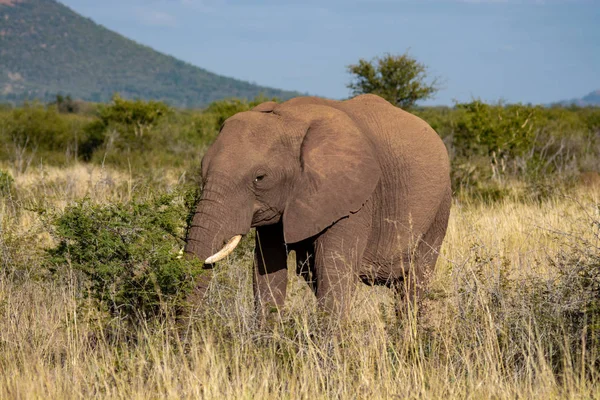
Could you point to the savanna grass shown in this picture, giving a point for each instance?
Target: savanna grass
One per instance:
(512, 312)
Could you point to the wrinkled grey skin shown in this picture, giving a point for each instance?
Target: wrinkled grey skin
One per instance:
(359, 189)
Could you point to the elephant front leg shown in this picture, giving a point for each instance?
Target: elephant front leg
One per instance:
(338, 254)
(270, 272)
(305, 263)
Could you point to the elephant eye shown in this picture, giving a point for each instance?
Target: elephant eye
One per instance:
(259, 178)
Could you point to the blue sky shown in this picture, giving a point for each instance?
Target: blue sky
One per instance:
(535, 51)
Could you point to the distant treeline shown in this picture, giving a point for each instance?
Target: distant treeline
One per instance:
(497, 150)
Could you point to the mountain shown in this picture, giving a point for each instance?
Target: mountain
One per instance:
(46, 48)
(590, 99)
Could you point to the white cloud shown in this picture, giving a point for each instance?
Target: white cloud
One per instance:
(156, 18)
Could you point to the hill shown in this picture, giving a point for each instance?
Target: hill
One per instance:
(46, 48)
(590, 99)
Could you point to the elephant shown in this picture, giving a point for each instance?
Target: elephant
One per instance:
(359, 189)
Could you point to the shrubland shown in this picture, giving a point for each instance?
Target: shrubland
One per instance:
(94, 204)
(497, 150)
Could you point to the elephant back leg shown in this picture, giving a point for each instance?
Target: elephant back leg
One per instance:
(338, 253)
(425, 256)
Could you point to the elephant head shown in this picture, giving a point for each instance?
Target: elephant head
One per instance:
(302, 164)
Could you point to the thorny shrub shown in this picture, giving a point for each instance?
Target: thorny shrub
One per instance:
(128, 253)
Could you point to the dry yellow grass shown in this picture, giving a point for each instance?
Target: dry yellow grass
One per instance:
(481, 338)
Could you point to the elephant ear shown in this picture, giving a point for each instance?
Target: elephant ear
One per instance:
(339, 172)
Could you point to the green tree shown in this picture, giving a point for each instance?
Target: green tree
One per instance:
(138, 115)
(400, 79)
(65, 104)
(501, 130)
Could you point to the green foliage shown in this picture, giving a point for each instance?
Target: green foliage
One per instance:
(66, 105)
(591, 116)
(128, 253)
(400, 79)
(149, 130)
(128, 130)
(495, 129)
(35, 125)
(35, 132)
(493, 146)
(92, 139)
(135, 117)
(441, 118)
(48, 49)
(6, 183)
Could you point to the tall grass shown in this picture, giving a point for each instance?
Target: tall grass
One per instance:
(510, 313)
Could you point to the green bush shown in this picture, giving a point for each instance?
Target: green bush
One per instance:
(496, 150)
(125, 126)
(36, 132)
(6, 183)
(591, 115)
(441, 118)
(522, 151)
(66, 104)
(199, 129)
(136, 117)
(128, 253)
(495, 129)
(92, 139)
(37, 126)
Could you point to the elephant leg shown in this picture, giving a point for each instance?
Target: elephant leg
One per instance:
(429, 247)
(305, 264)
(338, 254)
(270, 273)
(425, 256)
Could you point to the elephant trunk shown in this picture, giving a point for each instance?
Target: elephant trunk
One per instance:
(202, 235)
(216, 229)
(218, 224)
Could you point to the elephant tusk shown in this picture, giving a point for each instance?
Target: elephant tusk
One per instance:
(225, 251)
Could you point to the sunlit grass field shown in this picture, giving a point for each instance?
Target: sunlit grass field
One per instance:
(510, 313)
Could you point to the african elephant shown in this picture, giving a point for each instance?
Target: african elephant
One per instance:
(359, 189)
